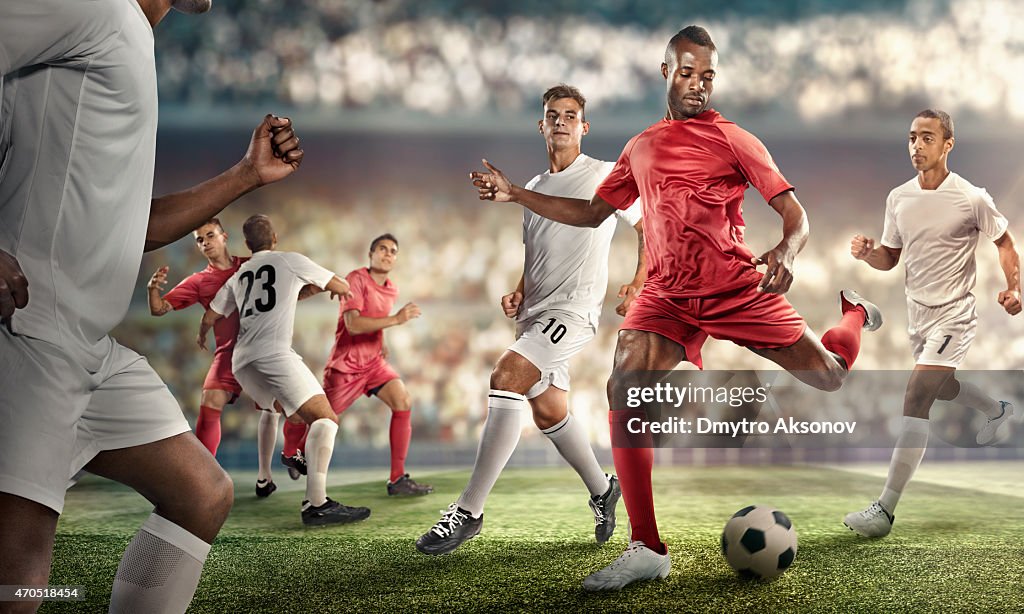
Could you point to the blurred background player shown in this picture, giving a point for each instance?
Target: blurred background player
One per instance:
(691, 170)
(80, 110)
(933, 222)
(557, 305)
(264, 291)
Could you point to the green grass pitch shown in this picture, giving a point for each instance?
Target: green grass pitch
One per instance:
(958, 545)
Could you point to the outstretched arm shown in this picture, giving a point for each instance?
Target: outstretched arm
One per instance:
(360, 325)
(273, 154)
(494, 185)
(779, 275)
(881, 257)
(629, 291)
(1009, 261)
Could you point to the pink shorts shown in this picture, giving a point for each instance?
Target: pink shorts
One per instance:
(344, 388)
(752, 319)
(220, 377)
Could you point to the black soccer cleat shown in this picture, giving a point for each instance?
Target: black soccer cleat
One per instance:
(331, 512)
(455, 528)
(603, 507)
(267, 488)
(407, 487)
(296, 464)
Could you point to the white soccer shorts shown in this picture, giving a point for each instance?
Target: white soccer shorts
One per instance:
(56, 415)
(548, 340)
(282, 377)
(942, 335)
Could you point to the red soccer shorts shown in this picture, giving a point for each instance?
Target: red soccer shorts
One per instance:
(220, 377)
(757, 320)
(344, 388)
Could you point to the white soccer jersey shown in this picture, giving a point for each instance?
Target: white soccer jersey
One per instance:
(77, 144)
(938, 232)
(264, 290)
(566, 266)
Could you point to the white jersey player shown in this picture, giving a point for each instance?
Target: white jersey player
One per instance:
(933, 222)
(557, 304)
(78, 121)
(264, 291)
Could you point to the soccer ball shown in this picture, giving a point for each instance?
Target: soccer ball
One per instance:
(759, 542)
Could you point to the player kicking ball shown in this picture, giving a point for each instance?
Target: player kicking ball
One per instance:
(690, 171)
(933, 222)
(264, 291)
(557, 305)
(220, 387)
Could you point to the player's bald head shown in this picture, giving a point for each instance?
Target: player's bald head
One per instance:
(258, 232)
(693, 34)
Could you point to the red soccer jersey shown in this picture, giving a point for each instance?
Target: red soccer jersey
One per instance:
(353, 353)
(691, 175)
(200, 288)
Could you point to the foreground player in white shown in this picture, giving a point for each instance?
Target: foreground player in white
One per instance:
(933, 222)
(264, 291)
(78, 144)
(557, 305)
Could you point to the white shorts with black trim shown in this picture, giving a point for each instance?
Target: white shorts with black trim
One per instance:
(941, 335)
(282, 377)
(548, 340)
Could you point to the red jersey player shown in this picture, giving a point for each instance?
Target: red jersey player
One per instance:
(219, 387)
(358, 364)
(691, 170)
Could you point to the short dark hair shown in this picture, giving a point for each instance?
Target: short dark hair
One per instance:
(258, 232)
(212, 220)
(944, 120)
(563, 90)
(387, 236)
(695, 34)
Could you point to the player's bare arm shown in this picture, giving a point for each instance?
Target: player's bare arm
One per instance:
(1009, 261)
(494, 185)
(360, 325)
(628, 292)
(158, 306)
(778, 277)
(209, 319)
(13, 287)
(878, 257)
(273, 154)
(510, 302)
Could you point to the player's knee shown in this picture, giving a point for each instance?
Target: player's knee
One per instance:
(403, 403)
(616, 389)
(502, 379)
(833, 380)
(545, 419)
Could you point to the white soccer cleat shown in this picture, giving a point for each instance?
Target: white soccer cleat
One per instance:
(872, 522)
(987, 434)
(637, 563)
(848, 299)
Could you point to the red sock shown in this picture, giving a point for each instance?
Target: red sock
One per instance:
(633, 467)
(208, 428)
(401, 433)
(294, 438)
(844, 338)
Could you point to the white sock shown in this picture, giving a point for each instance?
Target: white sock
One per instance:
(498, 441)
(266, 439)
(973, 397)
(571, 442)
(160, 569)
(910, 447)
(319, 448)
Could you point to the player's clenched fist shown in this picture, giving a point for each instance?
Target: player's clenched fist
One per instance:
(510, 303)
(13, 286)
(861, 247)
(1010, 300)
(408, 312)
(274, 151)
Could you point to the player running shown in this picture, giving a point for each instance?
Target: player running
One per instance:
(358, 363)
(933, 222)
(557, 306)
(691, 170)
(78, 142)
(264, 291)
